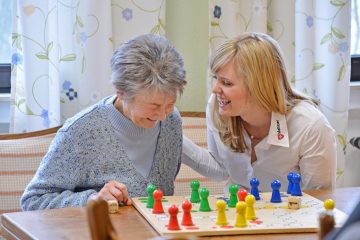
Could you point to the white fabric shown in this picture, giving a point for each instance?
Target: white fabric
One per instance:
(61, 66)
(311, 152)
(61, 54)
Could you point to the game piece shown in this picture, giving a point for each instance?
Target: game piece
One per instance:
(240, 215)
(204, 202)
(326, 219)
(242, 193)
(294, 202)
(150, 199)
(254, 183)
(113, 206)
(250, 210)
(158, 207)
(275, 196)
(233, 197)
(329, 204)
(195, 197)
(290, 182)
(296, 191)
(187, 220)
(221, 216)
(173, 221)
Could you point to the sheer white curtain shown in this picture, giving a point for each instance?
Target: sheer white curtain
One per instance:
(315, 38)
(62, 50)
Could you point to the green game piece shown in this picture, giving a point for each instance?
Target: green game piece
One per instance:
(233, 189)
(204, 203)
(150, 190)
(195, 197)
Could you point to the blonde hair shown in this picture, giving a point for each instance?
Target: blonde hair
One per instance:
(259, 60)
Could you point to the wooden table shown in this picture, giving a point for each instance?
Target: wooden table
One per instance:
(71, 223)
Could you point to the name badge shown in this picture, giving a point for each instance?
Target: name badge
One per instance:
(278, 134)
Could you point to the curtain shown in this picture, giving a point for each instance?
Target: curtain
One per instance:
(315, 39)
(62, 50)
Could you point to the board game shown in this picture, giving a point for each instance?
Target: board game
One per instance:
(270, 217)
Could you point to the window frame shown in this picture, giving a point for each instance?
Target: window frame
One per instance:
(5, 78)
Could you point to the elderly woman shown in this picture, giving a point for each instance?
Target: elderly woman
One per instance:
(114, 149)
(258, 126)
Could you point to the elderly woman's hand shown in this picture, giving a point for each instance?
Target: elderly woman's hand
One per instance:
(114, 190)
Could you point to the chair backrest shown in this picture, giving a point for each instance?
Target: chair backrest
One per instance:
(194, 127)
(20, 155)
(99, 221)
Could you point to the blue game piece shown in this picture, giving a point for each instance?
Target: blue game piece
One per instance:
(296, 191)
(290, 184)
(275, 196)
(254, 183)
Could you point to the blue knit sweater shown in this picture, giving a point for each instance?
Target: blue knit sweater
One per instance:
(87, 152)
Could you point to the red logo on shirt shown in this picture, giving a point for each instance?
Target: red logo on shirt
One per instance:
(280, 136)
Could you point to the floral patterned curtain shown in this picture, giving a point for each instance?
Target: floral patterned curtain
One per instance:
(62, 50)
(315, 38)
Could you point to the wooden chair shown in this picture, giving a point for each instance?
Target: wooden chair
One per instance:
(20, 155)
(99, 222)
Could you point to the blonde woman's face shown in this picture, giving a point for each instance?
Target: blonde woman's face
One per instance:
(231, 92)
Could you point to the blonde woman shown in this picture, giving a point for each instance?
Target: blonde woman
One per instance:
(258, 126)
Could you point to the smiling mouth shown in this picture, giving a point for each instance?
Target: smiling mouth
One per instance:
(223, 103)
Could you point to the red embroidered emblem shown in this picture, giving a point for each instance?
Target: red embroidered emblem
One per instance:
(280, 136)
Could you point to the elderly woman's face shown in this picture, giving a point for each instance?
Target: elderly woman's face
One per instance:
(148, 107)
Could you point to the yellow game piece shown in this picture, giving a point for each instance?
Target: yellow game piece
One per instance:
(113, 206)
(221, 216)
(250, 210)
(329, 204)
(240, 214)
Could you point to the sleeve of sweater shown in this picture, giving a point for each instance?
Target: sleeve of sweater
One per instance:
(54, 183)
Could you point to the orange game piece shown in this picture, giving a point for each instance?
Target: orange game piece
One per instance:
(173, 221)
(187, 220)
(158, 208)
(242, 193)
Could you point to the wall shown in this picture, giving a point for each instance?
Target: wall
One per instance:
(187, 26)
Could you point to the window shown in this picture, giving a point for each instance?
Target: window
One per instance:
(355, 27)
(5, 45)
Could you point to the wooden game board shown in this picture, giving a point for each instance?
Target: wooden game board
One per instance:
(271, 217)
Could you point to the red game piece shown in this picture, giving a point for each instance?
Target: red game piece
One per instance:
(242, 193)
(173, 222)
(158, 208)
(187, 220)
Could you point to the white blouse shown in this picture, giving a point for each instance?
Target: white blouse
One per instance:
(303, 141)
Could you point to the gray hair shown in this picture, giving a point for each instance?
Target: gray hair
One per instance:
(148, 62)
